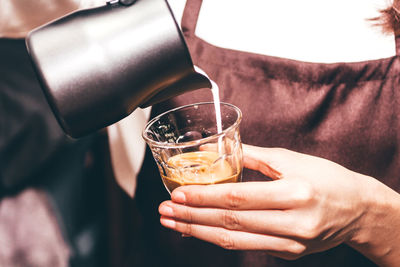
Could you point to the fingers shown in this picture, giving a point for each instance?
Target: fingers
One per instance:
(264, 160)
(280, 194)
(238, 240)
(275, 222)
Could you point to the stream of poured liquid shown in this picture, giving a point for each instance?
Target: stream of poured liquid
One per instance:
(217, 106)
(217, 102)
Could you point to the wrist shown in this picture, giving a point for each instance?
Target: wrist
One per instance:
(376, 233)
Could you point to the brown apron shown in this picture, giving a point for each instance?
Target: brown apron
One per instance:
(345, 112)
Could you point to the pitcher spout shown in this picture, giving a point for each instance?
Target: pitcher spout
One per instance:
(192, 81)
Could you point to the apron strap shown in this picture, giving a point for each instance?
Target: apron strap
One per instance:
(397, 41)
(397, 37)
(396, 11)
(190, 16)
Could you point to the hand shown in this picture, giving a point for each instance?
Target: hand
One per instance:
(312, 205)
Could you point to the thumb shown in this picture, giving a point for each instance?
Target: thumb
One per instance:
(268, 161)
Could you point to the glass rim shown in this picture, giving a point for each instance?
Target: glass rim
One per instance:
(157, 144)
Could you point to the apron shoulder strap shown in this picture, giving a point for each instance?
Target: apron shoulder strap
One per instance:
(190, 16)
(397, 41)
(396, 25)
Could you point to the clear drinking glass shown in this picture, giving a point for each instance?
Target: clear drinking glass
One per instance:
(189, 148)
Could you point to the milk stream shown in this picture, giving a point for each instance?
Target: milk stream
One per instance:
(217, 106)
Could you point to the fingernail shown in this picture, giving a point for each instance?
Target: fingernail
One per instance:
(166, 211)
(178, 196)
(168, 222)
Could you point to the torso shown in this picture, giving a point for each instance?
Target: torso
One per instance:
(345, 112)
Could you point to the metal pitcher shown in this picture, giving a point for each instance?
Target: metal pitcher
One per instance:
(98, 65)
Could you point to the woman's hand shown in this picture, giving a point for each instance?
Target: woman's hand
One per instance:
(312, 205)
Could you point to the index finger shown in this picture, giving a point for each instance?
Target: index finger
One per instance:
(279, 194)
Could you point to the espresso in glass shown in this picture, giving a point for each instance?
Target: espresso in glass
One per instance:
(198, 168)
(190, 149)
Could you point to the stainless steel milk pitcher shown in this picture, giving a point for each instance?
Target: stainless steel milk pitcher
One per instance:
(98, 65)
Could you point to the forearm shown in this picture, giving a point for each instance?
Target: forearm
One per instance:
(377, 234)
